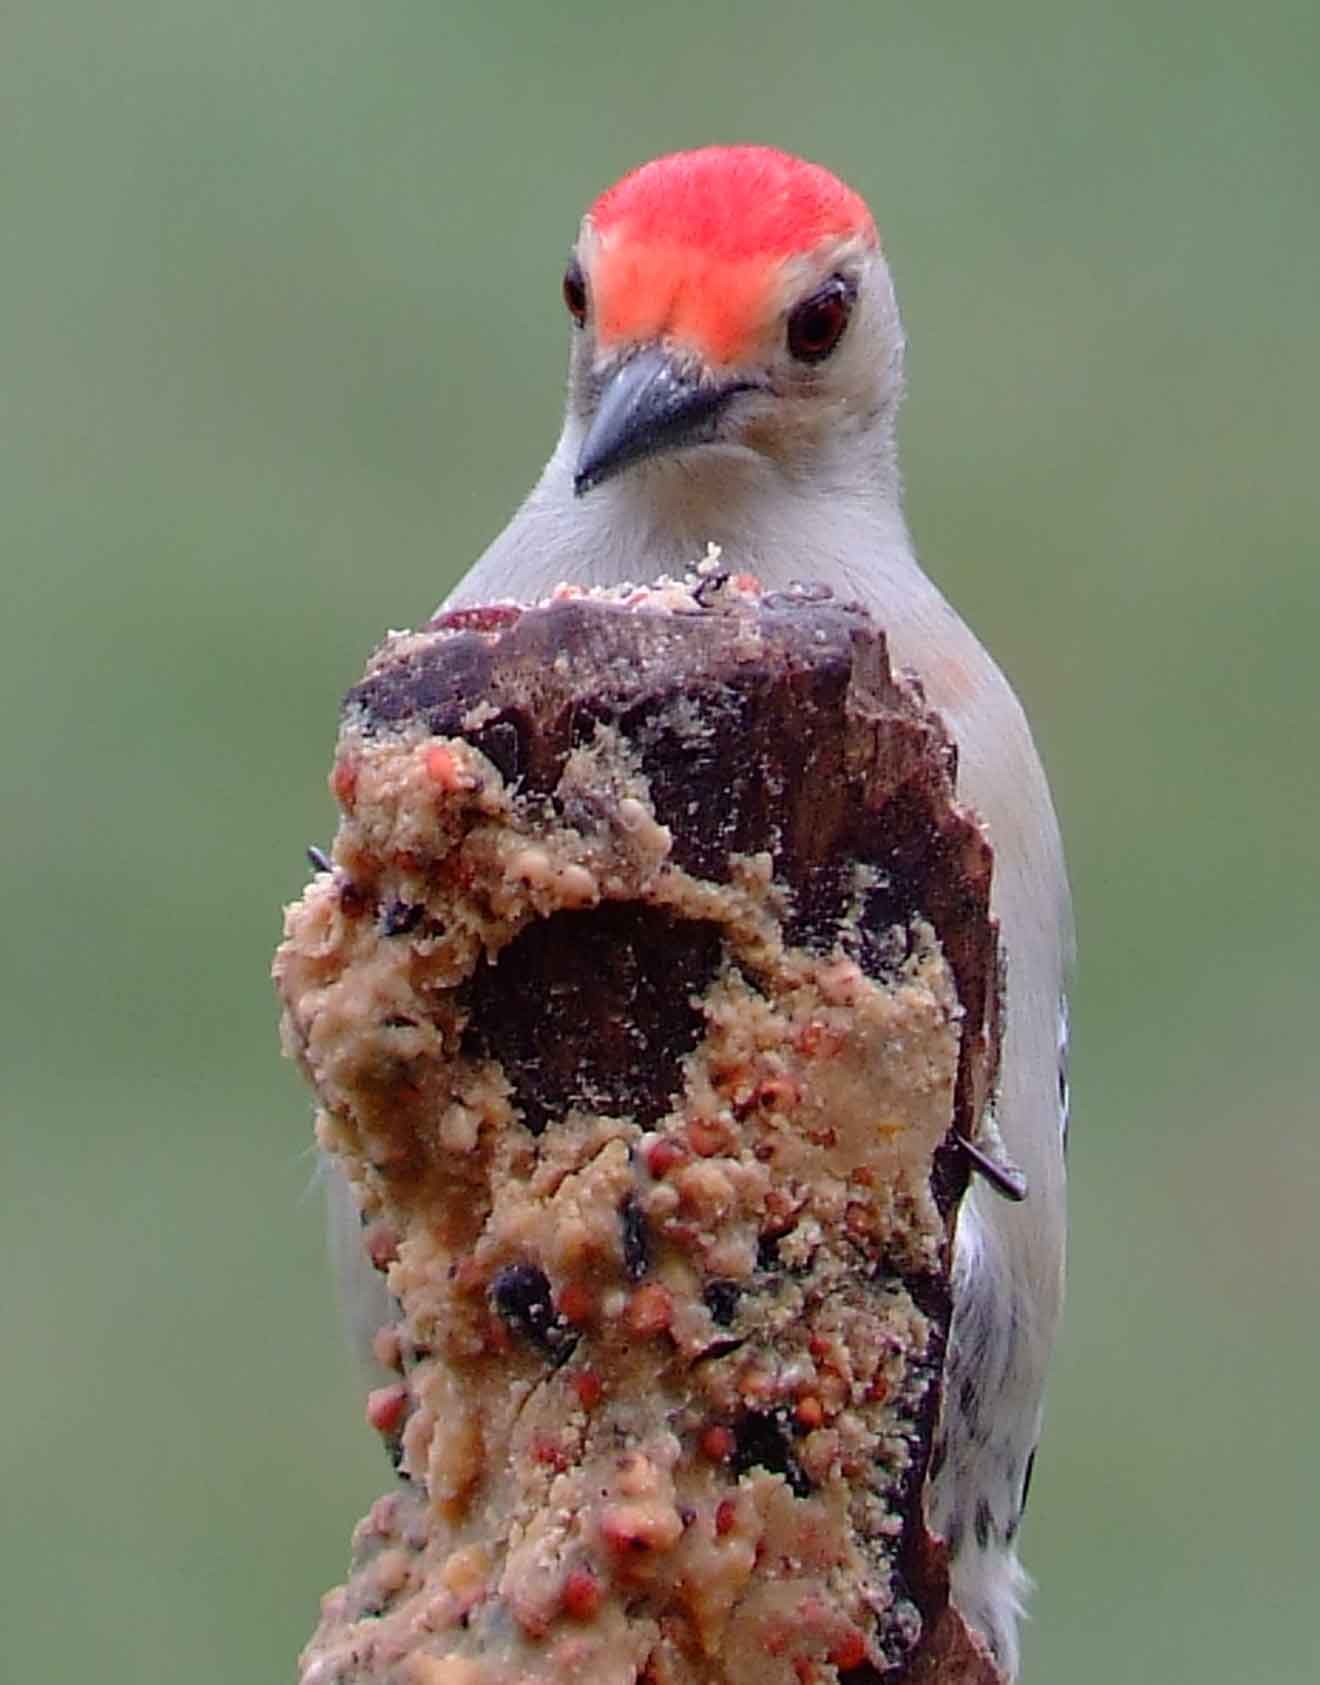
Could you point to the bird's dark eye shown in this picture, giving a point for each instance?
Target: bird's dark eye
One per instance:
(816, 325)
(575, 292)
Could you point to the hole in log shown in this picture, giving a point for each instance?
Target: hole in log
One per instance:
(761, 1441)
(594, 1009)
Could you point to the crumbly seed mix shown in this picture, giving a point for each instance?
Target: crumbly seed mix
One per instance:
(652, 1153)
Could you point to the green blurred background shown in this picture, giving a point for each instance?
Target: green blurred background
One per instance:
(280, 346)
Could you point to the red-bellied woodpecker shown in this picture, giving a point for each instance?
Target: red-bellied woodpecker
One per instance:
(736, 371)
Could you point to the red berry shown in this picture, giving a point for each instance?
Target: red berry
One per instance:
(663, 1156)
(777, 1094)
(582, 1594)
(717, 1443)
(576, 1303)
(343, 781)
(809, 1412)
(386, 1407)
(850, 1651)
(442, 769)
(650, 1310)
(589, 1388)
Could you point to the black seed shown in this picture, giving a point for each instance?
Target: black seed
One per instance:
(767, 1252)
(319, 859)
(722, 1301)
(352, 901)
(719, 1348)
(938, 1456)
(969, 1401)
(985, 1523)
(400, 917)
(761, 1442)
(521, 1294)
(636, 1239)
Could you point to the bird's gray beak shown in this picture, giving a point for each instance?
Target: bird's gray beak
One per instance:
(652, 405)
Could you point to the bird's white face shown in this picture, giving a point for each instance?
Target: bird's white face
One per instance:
(693, 346)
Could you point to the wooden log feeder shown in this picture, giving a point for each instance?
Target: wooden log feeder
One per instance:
(647, 996)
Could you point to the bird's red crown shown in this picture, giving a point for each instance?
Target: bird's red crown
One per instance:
(690, 244)
(733, 202)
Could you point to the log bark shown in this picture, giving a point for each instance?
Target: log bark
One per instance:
(651, 992)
